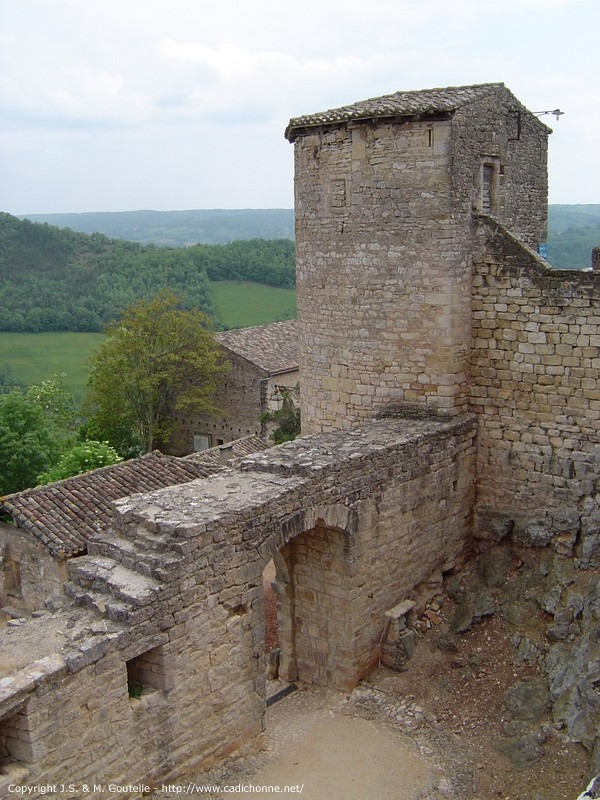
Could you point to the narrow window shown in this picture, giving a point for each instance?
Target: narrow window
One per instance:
(487, 189)
(430, 137)
(12, 578)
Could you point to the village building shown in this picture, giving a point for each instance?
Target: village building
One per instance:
(263, 364)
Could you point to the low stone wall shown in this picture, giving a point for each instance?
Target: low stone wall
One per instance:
(28, 574)
(356, 521)
(535, 371)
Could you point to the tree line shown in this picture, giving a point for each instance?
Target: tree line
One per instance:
(55, 279)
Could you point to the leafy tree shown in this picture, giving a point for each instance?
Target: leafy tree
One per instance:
(286, 419)
(37, 424)
(8, 382)
(27, 444)
(80, 458)
(158, 359)
(57, 404)
(116, 431)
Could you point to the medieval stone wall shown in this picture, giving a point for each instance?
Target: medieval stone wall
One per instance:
(239, 400)
(355, 520)
(535, 367)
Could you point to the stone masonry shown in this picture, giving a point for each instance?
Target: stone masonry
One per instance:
(535, 389)
(385, 193)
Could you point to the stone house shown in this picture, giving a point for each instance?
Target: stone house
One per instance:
(263, 362)
(449, 390)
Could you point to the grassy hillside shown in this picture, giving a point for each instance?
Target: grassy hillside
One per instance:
(34, 357)
(54, 279)
(241, 304)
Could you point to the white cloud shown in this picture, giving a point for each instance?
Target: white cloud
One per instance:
(197, 96)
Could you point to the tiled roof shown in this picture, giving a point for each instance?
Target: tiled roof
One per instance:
(66, 514)
(399, 104)
(273, 347)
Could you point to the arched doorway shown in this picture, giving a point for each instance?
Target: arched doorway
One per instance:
(313, 587)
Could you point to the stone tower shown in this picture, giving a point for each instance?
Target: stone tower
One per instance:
(385, 192)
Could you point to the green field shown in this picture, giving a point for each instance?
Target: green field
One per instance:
(241, 304)
(34, 357)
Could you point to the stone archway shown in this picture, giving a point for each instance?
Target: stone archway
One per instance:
(314, 583)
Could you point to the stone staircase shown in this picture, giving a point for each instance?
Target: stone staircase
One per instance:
(123, 574)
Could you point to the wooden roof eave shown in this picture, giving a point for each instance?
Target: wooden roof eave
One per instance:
(292, 132)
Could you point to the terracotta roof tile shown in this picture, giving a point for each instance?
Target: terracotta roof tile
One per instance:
(398, 104)
(64, 515)
(273, 347)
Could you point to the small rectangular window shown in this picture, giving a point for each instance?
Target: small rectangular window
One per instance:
(201, 443)
(147, 672)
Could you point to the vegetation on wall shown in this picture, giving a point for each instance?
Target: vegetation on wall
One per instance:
(284, 424)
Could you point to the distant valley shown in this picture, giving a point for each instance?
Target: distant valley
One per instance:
(573, 229)
(180, 228)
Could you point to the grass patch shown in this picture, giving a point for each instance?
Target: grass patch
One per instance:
(34, 357)
(242, 304)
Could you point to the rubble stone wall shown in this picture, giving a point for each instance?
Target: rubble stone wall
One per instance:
(26, 562)
(535, 389)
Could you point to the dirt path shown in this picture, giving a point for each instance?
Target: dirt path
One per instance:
(339, 757)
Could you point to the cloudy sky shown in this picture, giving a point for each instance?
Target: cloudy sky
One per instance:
(111, 105)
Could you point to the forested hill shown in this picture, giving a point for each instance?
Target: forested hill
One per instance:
(572, 229)
(55, 279)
